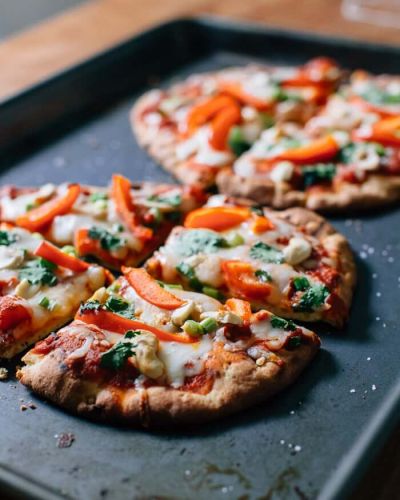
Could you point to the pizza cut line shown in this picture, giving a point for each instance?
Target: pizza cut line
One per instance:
(148, 353)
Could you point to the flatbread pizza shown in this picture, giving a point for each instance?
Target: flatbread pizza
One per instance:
(196, 127)
(119, 225)
(146, 353)
(293, 262)
(41, 288)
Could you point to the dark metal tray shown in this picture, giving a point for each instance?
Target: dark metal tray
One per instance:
(314, 439)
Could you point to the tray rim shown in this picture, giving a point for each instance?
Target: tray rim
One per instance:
(351, 467)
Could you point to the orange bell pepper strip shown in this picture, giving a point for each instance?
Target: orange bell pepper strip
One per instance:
(386, 132)
(205, 111)
(53, 254)
(217, 218)
(316, 71)
(240, 307)
(12, 312)
(320, 150)
(241, 280)
(107, 320)
(261, 225)
(37, 218)
(148, 288)
(235, 89)
(222, 124)
(121, 194)
(87, 246)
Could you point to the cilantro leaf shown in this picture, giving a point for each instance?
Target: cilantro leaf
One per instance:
(200, 240)
(39, 271)
(174, 200)
(7, 238)
(263, 276)
(378, 96)
(265, 253)
(115, 357)
(98, 196)
(282, 323)
(293, 342)
(190, 274)
(90, 305)
(315, 174)
(120, 306)
(312, 298)
(236, 141)
(108, 241)
(301, 283)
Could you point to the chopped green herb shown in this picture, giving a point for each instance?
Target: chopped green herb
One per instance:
(48, 304)
(209, 325)
(193, 328)
(293, 342)
(174, 200)
(315, 174)
(97, 197)
(279, 94)
(30, 206)
(257, 209)
(379, 96)
(237, 142)
(70, 250)
(200, 240)
(212, 292)
(120, 307)
(265, 253)
(301, 283)
(263, 276)
(157, 216)
(173, 286)
(7, 238)
(39, 271)
(267, 120)
(90, 305)
(114, 287)
(312, 298)
(115, 357)
(235, 240)
(284, 324)
(107, 240)
(190, 274)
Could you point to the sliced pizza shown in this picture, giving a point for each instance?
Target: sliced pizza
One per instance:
(345, 168)
(147, 353)
(199, 126)
(41, 288)
(120, 225)
(292, 262)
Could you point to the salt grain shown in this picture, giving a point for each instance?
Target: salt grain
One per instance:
(373, 387)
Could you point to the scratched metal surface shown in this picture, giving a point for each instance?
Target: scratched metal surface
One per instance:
(287, 448)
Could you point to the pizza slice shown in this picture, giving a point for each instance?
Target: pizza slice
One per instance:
(292, 262)
(343, 159)
(41, 288)
(120, 225)
(199, 126)
(144, 352)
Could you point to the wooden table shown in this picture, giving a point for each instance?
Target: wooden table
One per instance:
(96, 25)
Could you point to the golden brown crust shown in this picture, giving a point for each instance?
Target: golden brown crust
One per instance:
(341, 254)
(237, 385)
(376, 191)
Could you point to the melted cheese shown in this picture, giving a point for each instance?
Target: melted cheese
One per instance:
(12, 208)
(184, 360)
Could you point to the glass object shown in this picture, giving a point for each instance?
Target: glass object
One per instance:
(381, 12)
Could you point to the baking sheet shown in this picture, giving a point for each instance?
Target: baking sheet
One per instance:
(317, 437)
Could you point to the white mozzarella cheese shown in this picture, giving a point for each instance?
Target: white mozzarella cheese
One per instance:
(183, 360)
